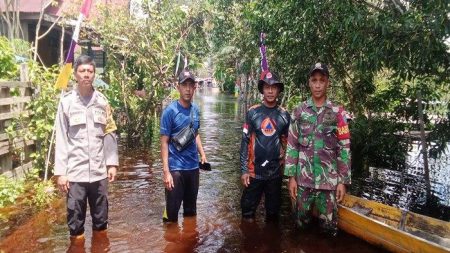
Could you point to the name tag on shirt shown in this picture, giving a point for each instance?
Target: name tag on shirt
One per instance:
(99, 116)
(77, 118)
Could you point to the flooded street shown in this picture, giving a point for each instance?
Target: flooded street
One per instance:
(137, 202)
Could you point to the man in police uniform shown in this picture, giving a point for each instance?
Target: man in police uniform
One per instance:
(318, 154)
(85, 153)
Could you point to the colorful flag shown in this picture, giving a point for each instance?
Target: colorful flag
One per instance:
(64, 75)
(262, 50)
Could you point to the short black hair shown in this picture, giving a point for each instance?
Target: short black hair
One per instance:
(83, 59)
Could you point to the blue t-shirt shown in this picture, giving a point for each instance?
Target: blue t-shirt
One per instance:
(173, 119)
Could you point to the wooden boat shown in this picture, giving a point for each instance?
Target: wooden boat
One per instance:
(392, 228)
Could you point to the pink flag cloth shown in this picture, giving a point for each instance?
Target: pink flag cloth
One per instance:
(86, 8)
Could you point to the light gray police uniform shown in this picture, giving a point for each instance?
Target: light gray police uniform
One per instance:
(85, 145)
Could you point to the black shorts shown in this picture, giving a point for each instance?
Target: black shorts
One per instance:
(185, 190)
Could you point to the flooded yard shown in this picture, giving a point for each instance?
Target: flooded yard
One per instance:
(137, 202)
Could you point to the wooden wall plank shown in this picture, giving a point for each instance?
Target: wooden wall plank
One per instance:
(14, 100)
(15, 84)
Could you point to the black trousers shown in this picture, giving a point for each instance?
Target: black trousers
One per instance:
(79, 194)
(185, 190)
(251, 197)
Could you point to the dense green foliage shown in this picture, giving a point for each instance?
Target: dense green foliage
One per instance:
(9, 190)
(8, 68)
(36, 126)
(142, 52)
(31, 192)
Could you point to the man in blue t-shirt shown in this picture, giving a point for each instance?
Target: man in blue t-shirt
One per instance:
(181, 166)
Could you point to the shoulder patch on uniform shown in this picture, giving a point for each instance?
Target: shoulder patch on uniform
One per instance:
(343, 131)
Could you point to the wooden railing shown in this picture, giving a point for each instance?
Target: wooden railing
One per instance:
(14, 154)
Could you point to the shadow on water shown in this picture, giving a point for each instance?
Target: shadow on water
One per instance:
(137, 201)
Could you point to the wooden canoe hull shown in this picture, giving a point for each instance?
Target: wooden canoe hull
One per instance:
(380, 227)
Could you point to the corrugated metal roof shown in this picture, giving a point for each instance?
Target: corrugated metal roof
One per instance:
(34, 6)
(27, 6)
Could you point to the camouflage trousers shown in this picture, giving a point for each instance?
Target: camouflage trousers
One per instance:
(325, 203)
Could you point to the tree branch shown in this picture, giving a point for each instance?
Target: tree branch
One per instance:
(399, 6)
(50, 28)
(370, 5)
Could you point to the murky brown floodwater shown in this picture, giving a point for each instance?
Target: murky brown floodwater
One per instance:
(137, 202)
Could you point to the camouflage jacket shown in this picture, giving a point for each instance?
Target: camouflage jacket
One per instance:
(318, 152)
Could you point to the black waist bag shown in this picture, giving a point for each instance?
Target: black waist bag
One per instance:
(185, 137)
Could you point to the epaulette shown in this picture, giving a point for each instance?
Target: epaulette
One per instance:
(102, 96)
(67, 93)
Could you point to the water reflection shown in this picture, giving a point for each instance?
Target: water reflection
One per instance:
(184, 239)
(406, 189)
(264, 237)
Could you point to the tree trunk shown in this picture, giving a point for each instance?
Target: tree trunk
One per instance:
(11, 16)
(38, 28)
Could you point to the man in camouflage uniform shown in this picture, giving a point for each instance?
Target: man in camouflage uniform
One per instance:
(318, 154)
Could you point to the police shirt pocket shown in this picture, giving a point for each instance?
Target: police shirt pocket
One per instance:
(99, 129)
(77, 124)
(99, 117)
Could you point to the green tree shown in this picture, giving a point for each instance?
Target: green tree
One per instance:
(142, 52)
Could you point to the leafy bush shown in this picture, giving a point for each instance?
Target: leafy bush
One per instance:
(39, 125)
(8, 68)
(10, 189)
(42, 194)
